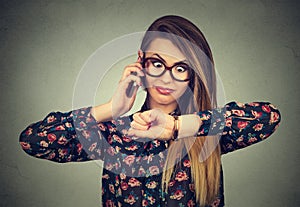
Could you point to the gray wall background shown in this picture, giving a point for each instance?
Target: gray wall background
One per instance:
(44, 44)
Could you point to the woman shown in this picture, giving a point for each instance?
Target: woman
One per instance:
(168, 153)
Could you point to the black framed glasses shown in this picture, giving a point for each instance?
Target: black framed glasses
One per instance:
(156, 67)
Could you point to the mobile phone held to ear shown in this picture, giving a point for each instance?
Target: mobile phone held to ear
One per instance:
(131, 87)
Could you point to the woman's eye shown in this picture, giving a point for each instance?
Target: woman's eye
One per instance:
(181, 69)
(157, 64)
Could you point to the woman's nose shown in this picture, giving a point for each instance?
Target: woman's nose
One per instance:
(166, 77)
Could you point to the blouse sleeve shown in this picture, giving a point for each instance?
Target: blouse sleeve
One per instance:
(64, 137)
(240, 125)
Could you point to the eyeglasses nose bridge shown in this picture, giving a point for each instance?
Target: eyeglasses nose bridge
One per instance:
(169, 68)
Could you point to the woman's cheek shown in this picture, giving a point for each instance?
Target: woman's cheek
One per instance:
(181, 89)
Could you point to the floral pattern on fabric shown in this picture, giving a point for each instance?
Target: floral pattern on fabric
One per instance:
(132, 170)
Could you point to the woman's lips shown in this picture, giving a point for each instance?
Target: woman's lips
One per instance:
(164, 91)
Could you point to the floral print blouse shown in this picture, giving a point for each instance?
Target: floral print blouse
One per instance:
(132, 171)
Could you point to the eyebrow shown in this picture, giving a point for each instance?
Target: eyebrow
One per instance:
(176, 63)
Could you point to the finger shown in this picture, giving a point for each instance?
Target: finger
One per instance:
(139, 133)
(130, 70)
(140, 54)
(137, 80)
(150, 134)
(135, 91)
(137, 118)
(151, 115)
(137, 126)
(145, 116)
(135, 64)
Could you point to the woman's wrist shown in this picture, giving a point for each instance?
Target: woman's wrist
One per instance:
(175, 128)
(102, 112)
(188, 125)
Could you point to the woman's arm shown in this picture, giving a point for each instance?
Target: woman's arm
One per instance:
(103, 112)
(64, 137)
(240, 125)
(77, 135)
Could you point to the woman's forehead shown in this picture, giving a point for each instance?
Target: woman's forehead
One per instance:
(165, 48)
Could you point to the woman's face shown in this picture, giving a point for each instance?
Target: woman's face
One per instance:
(163, 91)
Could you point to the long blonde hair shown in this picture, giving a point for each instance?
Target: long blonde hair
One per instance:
(204, 151)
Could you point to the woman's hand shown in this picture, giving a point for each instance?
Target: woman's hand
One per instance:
(153, 124)
(121, 103)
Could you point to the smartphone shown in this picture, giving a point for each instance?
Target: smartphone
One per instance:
(131, 87)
